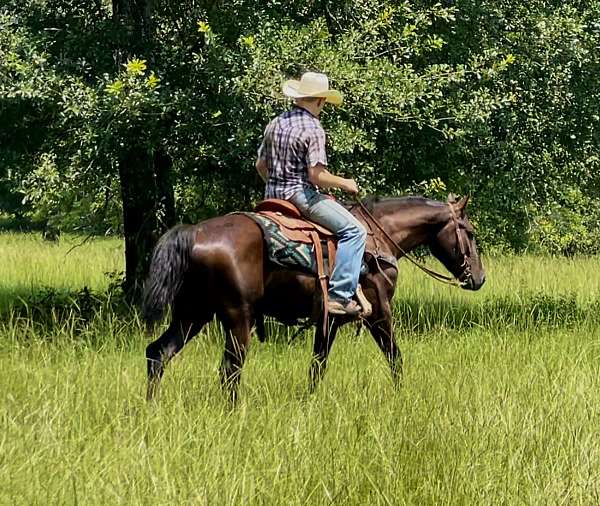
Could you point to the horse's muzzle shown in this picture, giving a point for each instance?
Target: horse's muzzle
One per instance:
(473, 283)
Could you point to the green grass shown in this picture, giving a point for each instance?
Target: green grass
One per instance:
(499, 403)
(29, 262)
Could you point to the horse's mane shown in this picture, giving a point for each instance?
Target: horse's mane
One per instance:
(373, 201)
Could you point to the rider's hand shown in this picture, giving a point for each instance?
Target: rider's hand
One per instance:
(351, 187)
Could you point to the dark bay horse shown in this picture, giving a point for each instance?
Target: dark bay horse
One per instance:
(219, 267)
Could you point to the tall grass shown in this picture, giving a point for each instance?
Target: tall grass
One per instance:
(520, 291)
(482, 418)
(29, 262)
(498, 404)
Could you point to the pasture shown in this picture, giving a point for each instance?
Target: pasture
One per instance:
(499, 403)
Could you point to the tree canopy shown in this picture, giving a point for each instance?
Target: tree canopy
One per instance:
(498, 99)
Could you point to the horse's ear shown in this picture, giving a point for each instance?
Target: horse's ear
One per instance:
(451, 198)
(462, 203)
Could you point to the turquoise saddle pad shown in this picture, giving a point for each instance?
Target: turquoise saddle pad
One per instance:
(286, 253)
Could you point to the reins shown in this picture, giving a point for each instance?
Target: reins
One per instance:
(435, 275)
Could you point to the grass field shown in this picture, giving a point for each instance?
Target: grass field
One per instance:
(499, 403)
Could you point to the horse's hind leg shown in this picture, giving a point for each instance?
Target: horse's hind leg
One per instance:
(238, 324)
(159, 352)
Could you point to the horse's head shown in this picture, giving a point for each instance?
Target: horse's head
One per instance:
(454, 245)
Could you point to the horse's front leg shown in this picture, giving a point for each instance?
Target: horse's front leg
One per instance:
(381, 328)
(322, 347)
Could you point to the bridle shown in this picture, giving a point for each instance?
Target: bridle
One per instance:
(463, 249)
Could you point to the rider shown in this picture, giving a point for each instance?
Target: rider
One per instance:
(293, 163)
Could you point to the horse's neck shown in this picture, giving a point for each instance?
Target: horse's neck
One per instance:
(411, 225)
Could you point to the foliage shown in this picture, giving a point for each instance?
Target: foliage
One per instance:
(499, 100)
(569, 225)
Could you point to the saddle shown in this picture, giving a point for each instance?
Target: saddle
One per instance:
(293, 224)
(298, 229)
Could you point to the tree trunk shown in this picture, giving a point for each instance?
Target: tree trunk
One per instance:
(145, 179)
(163, 165)
(148, 210)
(140, 224)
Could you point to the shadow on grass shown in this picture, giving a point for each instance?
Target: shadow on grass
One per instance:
(50, 307)
(422, 316)
(521, 313)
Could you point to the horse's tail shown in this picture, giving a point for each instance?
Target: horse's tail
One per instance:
(170, 261)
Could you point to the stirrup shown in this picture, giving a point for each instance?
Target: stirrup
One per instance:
(366, 306)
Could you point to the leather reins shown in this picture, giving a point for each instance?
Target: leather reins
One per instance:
(435, 275)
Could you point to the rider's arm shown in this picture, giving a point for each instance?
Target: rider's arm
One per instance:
(262, 169)
(321, 177)
(316, 160)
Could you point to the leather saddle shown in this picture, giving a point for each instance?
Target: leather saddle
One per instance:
(293, 225)
(297, 228)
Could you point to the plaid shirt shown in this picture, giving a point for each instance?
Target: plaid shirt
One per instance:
(293, 142)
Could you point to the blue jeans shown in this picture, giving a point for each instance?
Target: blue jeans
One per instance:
(351, 239)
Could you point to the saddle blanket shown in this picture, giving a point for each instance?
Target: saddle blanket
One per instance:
(285, 253)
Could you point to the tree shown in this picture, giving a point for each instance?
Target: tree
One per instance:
(144, 167)
(154, 110)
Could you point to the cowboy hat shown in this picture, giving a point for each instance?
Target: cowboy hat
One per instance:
(312, 84)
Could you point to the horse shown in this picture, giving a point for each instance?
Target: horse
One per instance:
(219, 267)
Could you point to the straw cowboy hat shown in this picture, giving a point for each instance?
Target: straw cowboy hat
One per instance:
(312, 84)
